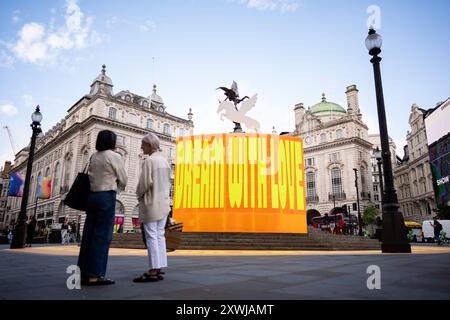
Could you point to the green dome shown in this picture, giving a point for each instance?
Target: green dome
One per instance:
(325, 106)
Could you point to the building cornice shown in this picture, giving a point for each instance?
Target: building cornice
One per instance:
(137, 107)
(79, 126)
(339, 142)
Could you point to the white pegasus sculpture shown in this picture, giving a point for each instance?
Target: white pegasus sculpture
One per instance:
(239, 116)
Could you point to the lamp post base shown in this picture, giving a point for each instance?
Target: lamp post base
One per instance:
(20, 232)
(394, 238)
(395, 248)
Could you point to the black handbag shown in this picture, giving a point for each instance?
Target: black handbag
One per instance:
(78, 194)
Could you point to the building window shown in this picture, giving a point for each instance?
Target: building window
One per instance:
(376, 197)
(112, 113)
(310, 161)
(181, 132)
(323, 138)
(120, 140)
(339, 134)
(336, 181)
(67, 169)
(166, 128)
(335, 156)
(56, 178)
(375, 188)
(149, 124)
(363, 178)
(310, 185)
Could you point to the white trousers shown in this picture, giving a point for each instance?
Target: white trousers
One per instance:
(64, 237)
(156, 243)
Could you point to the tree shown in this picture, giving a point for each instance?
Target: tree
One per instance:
(370, 214)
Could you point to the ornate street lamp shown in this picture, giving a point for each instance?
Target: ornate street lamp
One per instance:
(18, 241)
(394, 231)
(360, 231)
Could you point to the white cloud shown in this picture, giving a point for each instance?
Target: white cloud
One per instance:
(262, 5)
(16, 16)
(38, 45)
(147, 26)
(8, 109)
(6, 61)
(111, 22)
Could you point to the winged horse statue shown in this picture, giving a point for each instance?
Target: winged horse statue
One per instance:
(239, 116)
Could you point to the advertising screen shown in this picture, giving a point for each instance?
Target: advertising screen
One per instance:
(437, 126)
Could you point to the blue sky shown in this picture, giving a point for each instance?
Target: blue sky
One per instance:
(287, 51)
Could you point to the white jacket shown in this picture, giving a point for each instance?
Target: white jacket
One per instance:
(153, 188)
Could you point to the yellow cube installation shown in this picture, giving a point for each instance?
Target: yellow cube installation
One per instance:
(240, 183)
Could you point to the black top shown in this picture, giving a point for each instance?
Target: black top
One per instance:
(437, 226)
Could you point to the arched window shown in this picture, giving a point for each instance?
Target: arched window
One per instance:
(310, 185)
(47, 172)
(166, 128)
(336, 182)
(338, 134)
(67, 169)
(112, 113)
(149, 124)
(56, 178)
(363, 178)
(323, 138)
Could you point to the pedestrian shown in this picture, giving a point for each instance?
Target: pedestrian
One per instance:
(65, 232)
(73, 232)
(154, 205)
(437, 230)
(10, 236)
(107, 176)
(31, 226)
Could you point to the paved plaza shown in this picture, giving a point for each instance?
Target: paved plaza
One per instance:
(40, 273)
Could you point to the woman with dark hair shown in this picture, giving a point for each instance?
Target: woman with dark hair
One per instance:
(106, 176)
(31, 227)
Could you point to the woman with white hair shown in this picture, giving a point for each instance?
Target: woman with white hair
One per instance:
(154, 205)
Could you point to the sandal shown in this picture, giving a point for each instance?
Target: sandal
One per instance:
(147, 278)
(101, 281)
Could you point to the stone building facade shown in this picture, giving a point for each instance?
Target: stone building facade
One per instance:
(336, 141)
(65, 150)
(413, 179)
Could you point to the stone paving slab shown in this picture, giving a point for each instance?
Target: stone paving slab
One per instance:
(39, 273)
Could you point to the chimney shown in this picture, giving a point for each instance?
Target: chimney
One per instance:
(299, 111)
(6, 169)
(352, 99)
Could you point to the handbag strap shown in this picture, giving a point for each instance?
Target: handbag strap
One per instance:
(87, 165)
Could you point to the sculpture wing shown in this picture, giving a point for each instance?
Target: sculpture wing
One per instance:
(246, 105)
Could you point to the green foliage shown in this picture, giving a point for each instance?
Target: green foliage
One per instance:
(370, 214)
